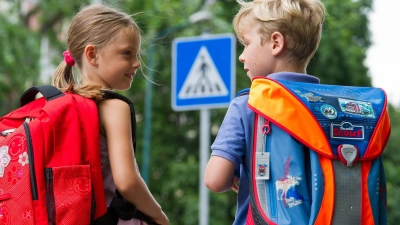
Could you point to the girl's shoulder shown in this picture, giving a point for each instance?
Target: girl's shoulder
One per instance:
(113, 105)
(113, 112)
(113, 101)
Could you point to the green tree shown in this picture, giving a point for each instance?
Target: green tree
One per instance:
(20, 40)
(345, 40)
(391, 163)
(19, 66)
(174, 171)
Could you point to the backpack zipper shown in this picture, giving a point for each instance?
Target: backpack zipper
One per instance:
(4, 133)
(266, 130)
(31, 162)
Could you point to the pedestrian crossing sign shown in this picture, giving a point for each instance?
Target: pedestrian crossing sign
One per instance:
(203, 71)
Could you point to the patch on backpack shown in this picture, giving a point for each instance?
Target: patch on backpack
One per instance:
(286, 188)
(329, 111)
(310, 96)
(346, 130)
(356, 107)
(4, 159)
(287, 192)
(261, 169)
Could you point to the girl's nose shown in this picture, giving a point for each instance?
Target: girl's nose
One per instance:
(136, 64)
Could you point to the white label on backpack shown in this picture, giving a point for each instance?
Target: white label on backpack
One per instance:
(262, 166)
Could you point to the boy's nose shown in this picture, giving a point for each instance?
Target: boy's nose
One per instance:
(241, 58)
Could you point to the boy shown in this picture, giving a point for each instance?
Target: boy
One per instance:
(279, 38)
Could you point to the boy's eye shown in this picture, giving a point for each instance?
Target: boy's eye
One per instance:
(127, 53)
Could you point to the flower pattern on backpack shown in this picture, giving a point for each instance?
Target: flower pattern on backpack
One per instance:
(4, 159)
(14, 175)
(23, 159)
(28, 214)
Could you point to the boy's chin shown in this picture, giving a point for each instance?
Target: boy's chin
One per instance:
(250, 76)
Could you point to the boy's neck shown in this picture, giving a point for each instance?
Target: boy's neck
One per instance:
(290, 68)
(294, 76)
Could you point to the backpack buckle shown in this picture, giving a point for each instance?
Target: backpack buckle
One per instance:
(348, 154)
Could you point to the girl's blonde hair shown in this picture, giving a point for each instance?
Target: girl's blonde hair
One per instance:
(96, 25)
(299, 21)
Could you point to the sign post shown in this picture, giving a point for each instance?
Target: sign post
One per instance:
(203, 72)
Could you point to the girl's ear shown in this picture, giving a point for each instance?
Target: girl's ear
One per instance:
(90, 55)
(278, 43)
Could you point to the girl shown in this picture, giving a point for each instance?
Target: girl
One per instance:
(104, 44)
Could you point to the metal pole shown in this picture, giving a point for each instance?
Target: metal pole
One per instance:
(204, 156)
(148, 115)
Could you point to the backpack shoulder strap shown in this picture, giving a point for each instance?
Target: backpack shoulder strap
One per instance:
(245, 91)
(110, 95)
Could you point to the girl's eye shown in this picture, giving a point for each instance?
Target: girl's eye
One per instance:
(127, 53)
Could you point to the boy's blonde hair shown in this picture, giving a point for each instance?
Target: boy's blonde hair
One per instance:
(96, 25)
(299, 21)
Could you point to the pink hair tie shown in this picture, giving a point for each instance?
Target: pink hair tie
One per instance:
(68, 58)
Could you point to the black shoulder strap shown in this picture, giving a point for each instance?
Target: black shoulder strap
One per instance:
(111, 94)
(119, 207)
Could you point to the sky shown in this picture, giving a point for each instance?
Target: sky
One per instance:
(384, 53)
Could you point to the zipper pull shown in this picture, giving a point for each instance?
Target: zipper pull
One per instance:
(6, 132)
(263, 156)
(266, 128)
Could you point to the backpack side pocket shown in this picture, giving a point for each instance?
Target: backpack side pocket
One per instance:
(69, 194)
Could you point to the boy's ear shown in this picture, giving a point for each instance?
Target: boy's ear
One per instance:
(90, 54)
(278, 43)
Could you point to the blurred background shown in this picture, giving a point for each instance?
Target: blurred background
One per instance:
(33, 37)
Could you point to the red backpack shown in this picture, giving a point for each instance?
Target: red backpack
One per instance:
(50, 171)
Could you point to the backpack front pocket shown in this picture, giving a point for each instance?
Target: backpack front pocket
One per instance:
(69, 195)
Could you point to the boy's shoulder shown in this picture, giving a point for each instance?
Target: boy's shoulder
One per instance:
(241, 98)
(238, 106)
(242, 92)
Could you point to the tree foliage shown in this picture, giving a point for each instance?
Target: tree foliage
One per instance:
(345, 40)
(19, 65)
(174, 163)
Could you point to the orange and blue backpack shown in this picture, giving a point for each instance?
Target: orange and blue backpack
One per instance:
(317, 154)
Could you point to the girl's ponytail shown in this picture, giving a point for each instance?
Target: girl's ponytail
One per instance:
(63, 77)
